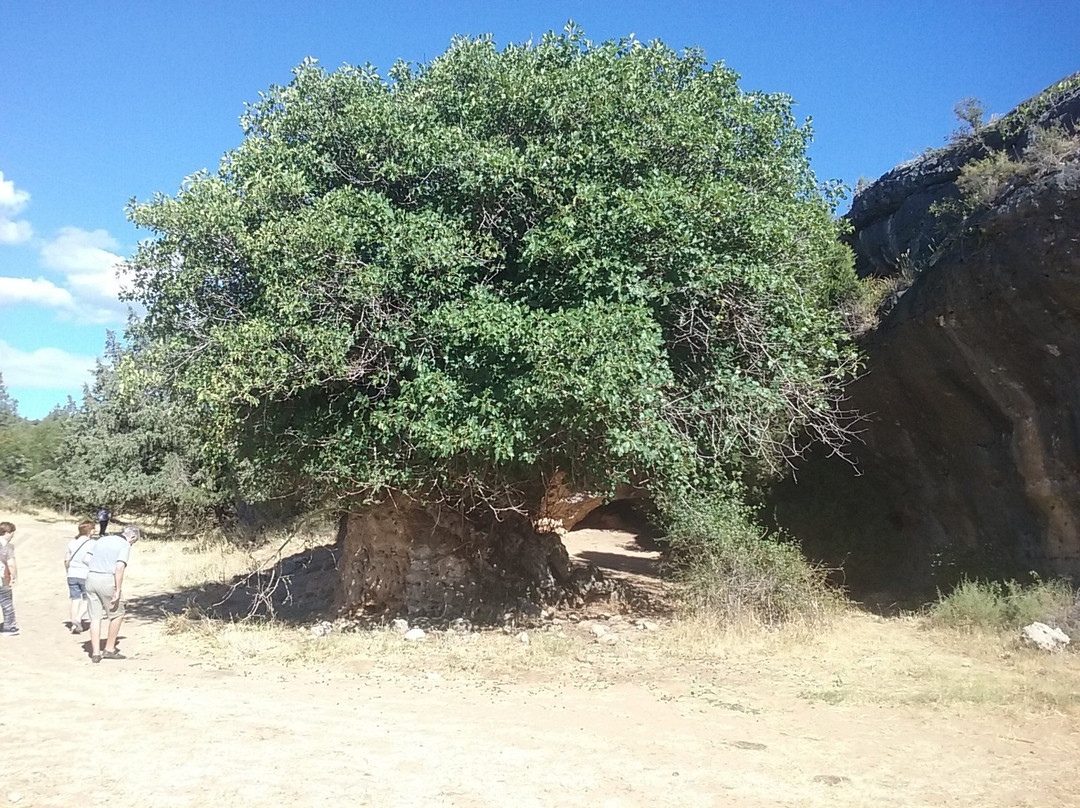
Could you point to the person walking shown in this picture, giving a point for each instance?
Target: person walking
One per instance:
(103, 517)
(9, 576)
(107, 562)
(75, 563)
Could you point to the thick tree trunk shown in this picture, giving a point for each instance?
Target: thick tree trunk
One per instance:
(401, 558)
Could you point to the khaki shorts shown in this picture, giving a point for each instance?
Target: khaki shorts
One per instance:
(100, 588)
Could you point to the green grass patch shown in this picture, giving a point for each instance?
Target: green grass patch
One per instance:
(994, 605)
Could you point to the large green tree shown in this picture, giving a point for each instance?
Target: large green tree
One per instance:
(601, 259)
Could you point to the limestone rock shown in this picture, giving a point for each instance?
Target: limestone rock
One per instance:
(892, 218)
(1044, 637)
(966, 460)
(562, 507)
(399, 626)
(414, 635)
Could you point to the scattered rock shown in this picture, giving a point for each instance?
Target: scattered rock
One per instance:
(1044, 637)
(754, 745)
(399, 625)
(599, 630)
(615, 618)
(461, 626)
(322, 628)
(523, 638)
(415, 634)
(14, 796)
(608, 639)
(647, 625)
(831, 779)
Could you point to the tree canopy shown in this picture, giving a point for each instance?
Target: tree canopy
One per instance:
(131, 450)
(605, 259)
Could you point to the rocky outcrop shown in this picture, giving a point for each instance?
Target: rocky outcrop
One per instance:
(893, 221)
(969, 461)
(563, 506)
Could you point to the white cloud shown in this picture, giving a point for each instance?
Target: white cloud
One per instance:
(12, 201)
(14, 232)
(45, 368)
(40, 291)
(93, 273)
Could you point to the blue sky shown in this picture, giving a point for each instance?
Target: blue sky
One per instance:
(107, 101)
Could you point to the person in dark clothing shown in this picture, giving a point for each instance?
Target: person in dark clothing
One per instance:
(103, 517)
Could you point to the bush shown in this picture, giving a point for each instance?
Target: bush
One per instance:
(729, 568)
(980, 181)
(994, 605)
(1051, 148)
(971, 112)
(873, 298)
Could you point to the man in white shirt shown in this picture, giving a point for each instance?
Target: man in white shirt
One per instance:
(107, 562)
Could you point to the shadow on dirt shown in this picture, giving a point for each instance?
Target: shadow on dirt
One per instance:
(299, 589)
(622, 563)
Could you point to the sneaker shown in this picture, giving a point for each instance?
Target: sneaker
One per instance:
(11, 631)
(112, 655)
(75, 629)
(95, 658)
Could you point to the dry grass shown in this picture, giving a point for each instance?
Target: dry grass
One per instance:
(213, 558)
(859, 660)
(484, 654)
(183, 564)
(907, 661)
(852, 658)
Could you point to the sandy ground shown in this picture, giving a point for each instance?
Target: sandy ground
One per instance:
(164, 729)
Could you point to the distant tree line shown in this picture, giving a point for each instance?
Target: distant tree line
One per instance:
(131, 450)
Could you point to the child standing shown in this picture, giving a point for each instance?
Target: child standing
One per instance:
(10, 577)
(75, 562)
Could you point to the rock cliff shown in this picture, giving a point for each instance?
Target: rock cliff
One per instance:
(969, 461)
(893, 219)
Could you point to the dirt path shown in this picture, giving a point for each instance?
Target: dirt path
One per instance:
(162, 729)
